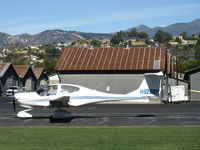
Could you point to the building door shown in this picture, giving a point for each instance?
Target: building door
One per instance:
(28, 85)
(43, 82)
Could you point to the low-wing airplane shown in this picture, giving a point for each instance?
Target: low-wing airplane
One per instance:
(67, 95)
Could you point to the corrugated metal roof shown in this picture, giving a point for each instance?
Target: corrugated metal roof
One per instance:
(112, 59)
(2, 65)
(37, 72)
(3, 68)
(21, 70)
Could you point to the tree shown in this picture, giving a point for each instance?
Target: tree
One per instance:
(121, 33)
(162, 37)
(142, 35)
(49, 64)
(96, 43)
(116, 40)
(133, 33)
(184, 35)
(17, 59)
(189, 65)
(52, 51)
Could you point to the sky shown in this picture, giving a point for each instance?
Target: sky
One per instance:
(99, 16)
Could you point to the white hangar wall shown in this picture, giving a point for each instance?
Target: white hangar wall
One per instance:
(111, 83)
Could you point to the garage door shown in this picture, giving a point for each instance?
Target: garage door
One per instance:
(28, 85)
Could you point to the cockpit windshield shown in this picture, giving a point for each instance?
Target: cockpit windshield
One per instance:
(51, 90)
(47, 90)
(68, 89)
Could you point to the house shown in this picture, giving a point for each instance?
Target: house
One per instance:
(27, 79)
(41, 76)
(54, 79)
(112, 70)
(138, 44)
(8, 77)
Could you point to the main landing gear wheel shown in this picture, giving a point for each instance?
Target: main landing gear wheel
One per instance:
(61, 114)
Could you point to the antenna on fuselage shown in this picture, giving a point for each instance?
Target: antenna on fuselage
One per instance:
(99, 85)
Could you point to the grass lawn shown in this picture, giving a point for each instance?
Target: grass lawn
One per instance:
(101, 138)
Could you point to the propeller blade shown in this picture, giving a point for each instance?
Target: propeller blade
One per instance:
(14, 107)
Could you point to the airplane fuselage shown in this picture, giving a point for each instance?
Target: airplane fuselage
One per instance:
(66, 95)
(76, 98)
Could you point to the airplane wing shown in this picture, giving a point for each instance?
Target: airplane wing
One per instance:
(60, 102)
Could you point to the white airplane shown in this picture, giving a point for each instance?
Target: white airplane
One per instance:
(67, 95)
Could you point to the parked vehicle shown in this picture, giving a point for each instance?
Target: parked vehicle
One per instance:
(12, 90)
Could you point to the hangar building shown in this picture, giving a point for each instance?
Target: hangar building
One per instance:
(26, 76)
(113, 70)
(193, 76)
(41, 76)
(8, 76)
(23, 76)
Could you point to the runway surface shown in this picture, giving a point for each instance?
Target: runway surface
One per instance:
(106, 115)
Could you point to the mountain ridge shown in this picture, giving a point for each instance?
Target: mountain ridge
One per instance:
(175, 29)
(57, 35)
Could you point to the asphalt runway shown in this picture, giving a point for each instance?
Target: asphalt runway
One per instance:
(106, 115)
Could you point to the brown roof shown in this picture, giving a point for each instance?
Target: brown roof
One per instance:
(21, 70)
(2, 65)
(112, 59)
(37, 72)
(138, 43)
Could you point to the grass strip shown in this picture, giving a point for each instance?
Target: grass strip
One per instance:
(101, 138)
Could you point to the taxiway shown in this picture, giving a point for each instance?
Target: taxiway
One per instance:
(106, 115)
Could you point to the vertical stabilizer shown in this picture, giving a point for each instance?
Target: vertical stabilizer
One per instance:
(150, 86)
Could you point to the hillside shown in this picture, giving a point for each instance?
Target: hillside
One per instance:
(174, 29)
(49, 37)
(56, 36)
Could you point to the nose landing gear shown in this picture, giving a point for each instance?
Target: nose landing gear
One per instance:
(25, 114)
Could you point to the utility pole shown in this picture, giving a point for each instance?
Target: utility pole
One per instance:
(176, 70)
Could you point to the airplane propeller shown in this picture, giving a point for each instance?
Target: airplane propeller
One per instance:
(14, 107)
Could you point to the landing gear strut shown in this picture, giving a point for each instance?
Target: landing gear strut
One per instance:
(58, 114)
(24, 114)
